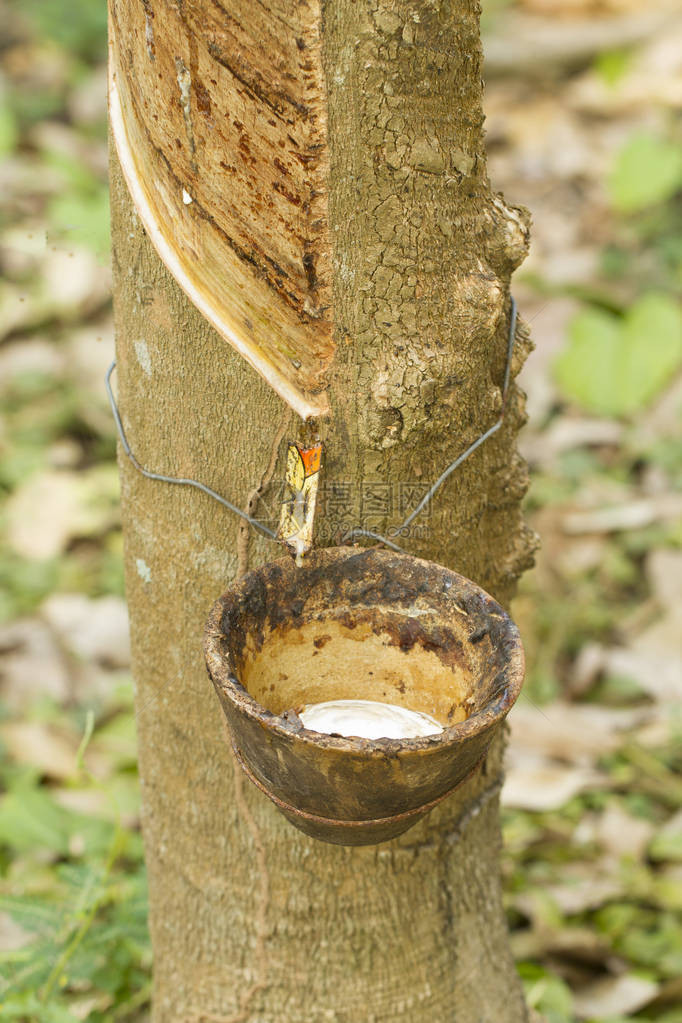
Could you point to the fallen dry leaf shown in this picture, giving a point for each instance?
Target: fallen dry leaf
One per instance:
(575, 733)
(529, 42)
(578, 943)
(575, 896)
(91, 801)
(12, 936)
(621, 517)
(91, 351)
(545, 786)
(35, 355)
(621, 834)
(653, 77)
(567, 433)
(653, 661)
(31, 664)
(41, 514)
(51, 507)
(664, 572)
(41, 746)
(614, 996)
(93, 629)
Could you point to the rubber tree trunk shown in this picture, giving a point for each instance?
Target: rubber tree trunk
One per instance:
(250, 920)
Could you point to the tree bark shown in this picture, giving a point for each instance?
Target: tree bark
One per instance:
(251, 920)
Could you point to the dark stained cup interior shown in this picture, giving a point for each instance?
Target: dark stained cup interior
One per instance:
(360, 624)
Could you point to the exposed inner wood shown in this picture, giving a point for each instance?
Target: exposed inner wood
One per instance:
(229, 177)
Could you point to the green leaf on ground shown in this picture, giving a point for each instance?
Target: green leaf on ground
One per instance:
(667, 844)
(648, 170)
(9, 133)
(23, 1006)
(612, 65)
(30, 821)
(82, 219)
(614, 366)
(80, 26)
(547, 993)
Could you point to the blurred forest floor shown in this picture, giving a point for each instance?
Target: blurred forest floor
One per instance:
(584, 103)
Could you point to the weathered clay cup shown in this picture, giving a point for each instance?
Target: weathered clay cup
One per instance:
(360, 624)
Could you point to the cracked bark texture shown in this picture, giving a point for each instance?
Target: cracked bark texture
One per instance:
(252, 921)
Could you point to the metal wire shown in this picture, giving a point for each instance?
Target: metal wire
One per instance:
(259, 526)
(352, 534)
